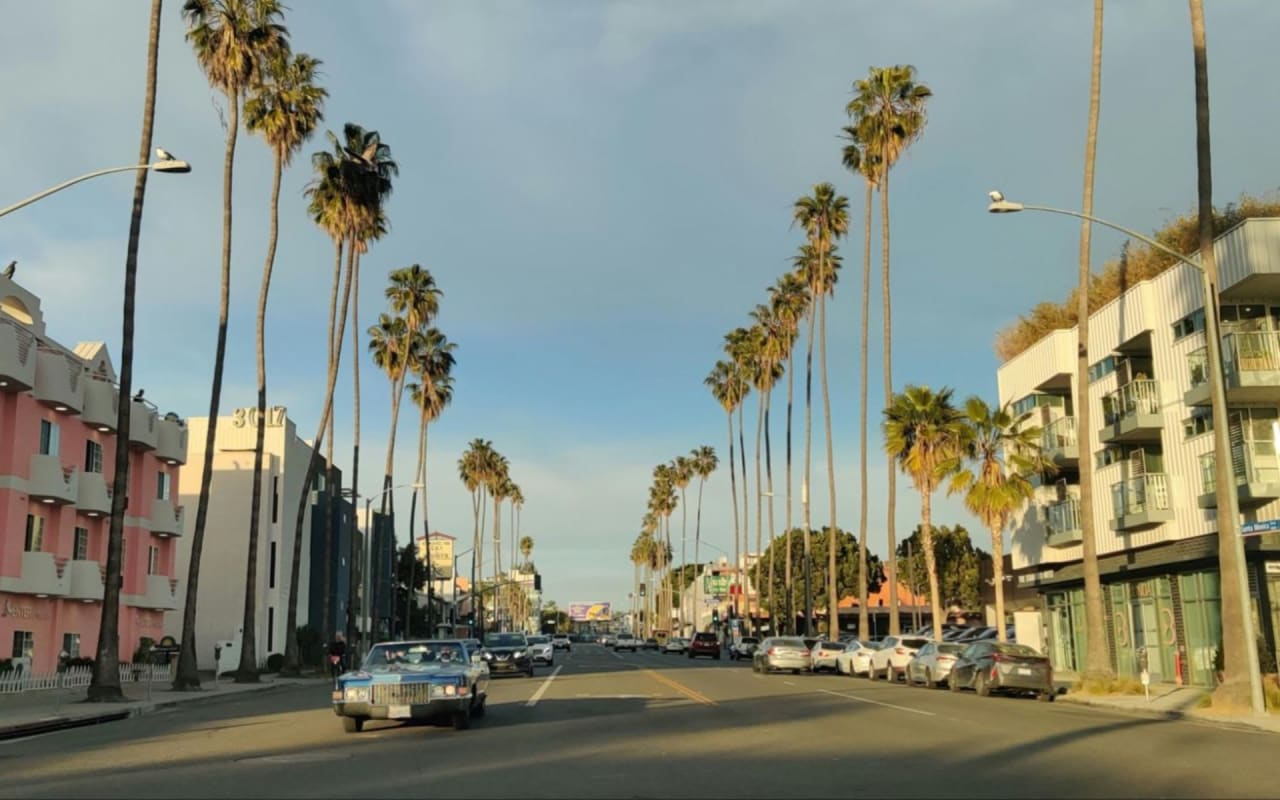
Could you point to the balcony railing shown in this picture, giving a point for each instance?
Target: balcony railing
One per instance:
(1136, 398)
(17, 357)
(1063, 523)
(1251, 351)
(1141, 501)
(1059, 438)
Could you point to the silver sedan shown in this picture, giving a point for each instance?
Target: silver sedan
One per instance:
(932, 664)
(781, 652)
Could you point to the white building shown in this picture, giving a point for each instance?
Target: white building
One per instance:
(1150, 448)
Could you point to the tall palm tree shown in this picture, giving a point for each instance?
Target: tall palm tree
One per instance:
(526, 549)
(861, 156)
(889, 107)
(514, 499)
(472, 469)
(825, 218)
(925, 435)
(233, 41)
(789, 298)
(414, 298)
(704, 462)
(729, 388)
(772, 351)
(662, 504)
(391, 344)
(105, 682)
(497, 481)
(639, 560)
(746, 347)
(1004, 455)
(681, 474)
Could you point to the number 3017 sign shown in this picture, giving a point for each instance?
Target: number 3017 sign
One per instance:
(249, 416)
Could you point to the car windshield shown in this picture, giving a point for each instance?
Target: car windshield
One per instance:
(413, 656)
(504, 640)
(950, 647)
(788, 641)
(831, 645)
(914, 643)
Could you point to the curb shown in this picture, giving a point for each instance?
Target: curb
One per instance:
(1168, 714)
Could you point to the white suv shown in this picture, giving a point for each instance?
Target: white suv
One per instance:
(627, 641)
(561, 641)
(895, 652)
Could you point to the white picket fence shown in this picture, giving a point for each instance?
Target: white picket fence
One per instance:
(16, 681)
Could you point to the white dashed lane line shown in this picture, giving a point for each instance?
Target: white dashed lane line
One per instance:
(533, 701)
(878, 703)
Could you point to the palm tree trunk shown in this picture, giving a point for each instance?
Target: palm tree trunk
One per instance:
(248, 673)
(759, 499)
(426, 531)
(833, 538)
(746, 515)
(329, 497)
(997, 574)
(497, 550)
(895, 626)
(863, 612)
(930, 560)
(697, 557)
(1097, 654)
(805, 486)
(409, 595)
(291, 660)
(684, 528)
(355, 417)
(397, 392)
(771, 603)
(105, 683)
(733, 495)
(787, 582)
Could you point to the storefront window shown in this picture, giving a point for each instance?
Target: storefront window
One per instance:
(1202, 618)
(1067, 628)
(24, 644)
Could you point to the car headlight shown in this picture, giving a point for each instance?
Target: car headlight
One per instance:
(357, 694)
(518, 654)
(486, 655)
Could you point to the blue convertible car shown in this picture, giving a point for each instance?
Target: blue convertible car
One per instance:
(413, 680)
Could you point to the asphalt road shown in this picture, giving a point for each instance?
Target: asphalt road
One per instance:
(651, 725)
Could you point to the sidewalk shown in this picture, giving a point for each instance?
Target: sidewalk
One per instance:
(1173, 702)
(31, 713)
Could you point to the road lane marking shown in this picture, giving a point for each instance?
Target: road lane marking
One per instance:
(693, 695)
(533, 701)
(789, 683)
(878, 703)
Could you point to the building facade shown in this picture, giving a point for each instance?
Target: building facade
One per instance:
(57, 455)
(335, 552)
(1150, 450)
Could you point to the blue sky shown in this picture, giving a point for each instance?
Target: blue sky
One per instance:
(603, 190)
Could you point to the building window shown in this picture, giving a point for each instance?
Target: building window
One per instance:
(35, 534)
(153, 560)
(1103, 368)
(70, 645)
(81, 547)
(271, 572)
(24, 644)
(1192, 323)
(92, 457)
(275, 499)
(163, 483)
(1029, 403)
(48, 438)
(271, 629)
(1194, 426)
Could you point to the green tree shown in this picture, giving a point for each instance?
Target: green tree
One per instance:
(790, 300)
(410, 577)
(415, 301)
(729, 387)
(925, 435)
(847, 567)
(888, 108)
(958, 563)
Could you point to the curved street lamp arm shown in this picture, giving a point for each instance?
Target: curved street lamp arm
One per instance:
(71, 182)
(1140, 237)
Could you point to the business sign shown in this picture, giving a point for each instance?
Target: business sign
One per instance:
(1260, 527)
(589, 612)
(717, 585)
(440, 549)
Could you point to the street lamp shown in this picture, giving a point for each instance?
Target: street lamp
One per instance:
(166, 163)
(368, 544)
(1221, 433)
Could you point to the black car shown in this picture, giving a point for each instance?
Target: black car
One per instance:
(989, 666)
(508, 653)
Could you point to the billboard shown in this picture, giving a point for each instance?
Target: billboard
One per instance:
(589, 612)
(440, 549)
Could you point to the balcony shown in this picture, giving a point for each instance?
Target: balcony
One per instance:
(50, 482)
(17, 357)
(101, 404)
(1132, 413)
(143, 426)
(1251, 364)
(1062, 523)
(93, 496)
(43, 575)
(84, 581)
(1141, 502)
(1257, 474)
(59, 380)
(1059, 442)
(165, 519)
(160, 594)
(171, 446)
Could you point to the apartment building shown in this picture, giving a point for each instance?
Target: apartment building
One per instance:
(1150, 450)
(58, 444)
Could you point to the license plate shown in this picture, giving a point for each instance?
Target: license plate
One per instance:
(399, 712)
(1024, 670)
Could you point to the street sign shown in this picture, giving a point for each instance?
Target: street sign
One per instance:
(717, 585)
(1259, 527)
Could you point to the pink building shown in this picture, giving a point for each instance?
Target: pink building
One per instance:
(57, 454)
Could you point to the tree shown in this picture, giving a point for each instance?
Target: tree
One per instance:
(415, 301)
(409, 579)
(681, 474)
(790, 299)
(474, 468)
(1004, 455)
(861, 156)
(925, 435)
(889, 108)
(746, 347)
(729, 388)
(233, 40)
(526, 549)
(959, 564)
(641, 556)
(662, 504)
(847, 567)
(105, 682)
(704, 461)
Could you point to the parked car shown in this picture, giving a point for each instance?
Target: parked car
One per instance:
(508, 653)
(988, 666)
(626, 641)
(893, 655)
(823, 655)
(651, 644)
(704, 644)
(609, 641)
(743, 648)
(855, 658)
(675, 645)
(413, 680)
(781, 652)
(541, 650)
(932, 664)
(561, 641)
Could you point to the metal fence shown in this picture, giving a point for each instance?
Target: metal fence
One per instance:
(17, 681)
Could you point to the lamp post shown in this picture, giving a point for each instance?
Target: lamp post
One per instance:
(368, 544)
(166, 163)
(1226, 490)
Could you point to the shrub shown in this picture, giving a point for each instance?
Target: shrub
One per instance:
(1117, 685)
(274, 662)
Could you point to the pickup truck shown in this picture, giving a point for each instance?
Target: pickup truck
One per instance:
(627, 641)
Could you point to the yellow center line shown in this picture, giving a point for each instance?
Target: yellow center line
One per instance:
(692, 694)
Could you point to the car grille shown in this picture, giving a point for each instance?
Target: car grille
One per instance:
(388, 694)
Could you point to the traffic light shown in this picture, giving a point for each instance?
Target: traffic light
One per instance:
(715, 616)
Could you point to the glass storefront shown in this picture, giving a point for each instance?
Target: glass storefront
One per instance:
(1067, 630)
(1202, 619)
(1143, 621)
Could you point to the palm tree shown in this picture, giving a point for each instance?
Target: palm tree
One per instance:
(415, 298)
(233, 40)
(497, 481)
(526, 549)
(639, 558)
(861, 155)
(472, 467)
(889, 110)
(681, 474)
(729, 388)
(789, 298)
(105, 683)
(825, 218)
(391, 344)
(703, 461)
(1004, 453)
(926, 435)
(662, 504)
(774, 342)
(746, 347)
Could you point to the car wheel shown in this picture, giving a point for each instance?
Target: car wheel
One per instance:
(462, 719)
(795, 672)
(952, 683)
(479, 709)
(717, 656)
(929, 682)
(1045, 697)
(871, 671)
(353, 724)
(691, 656)
(981, 686)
